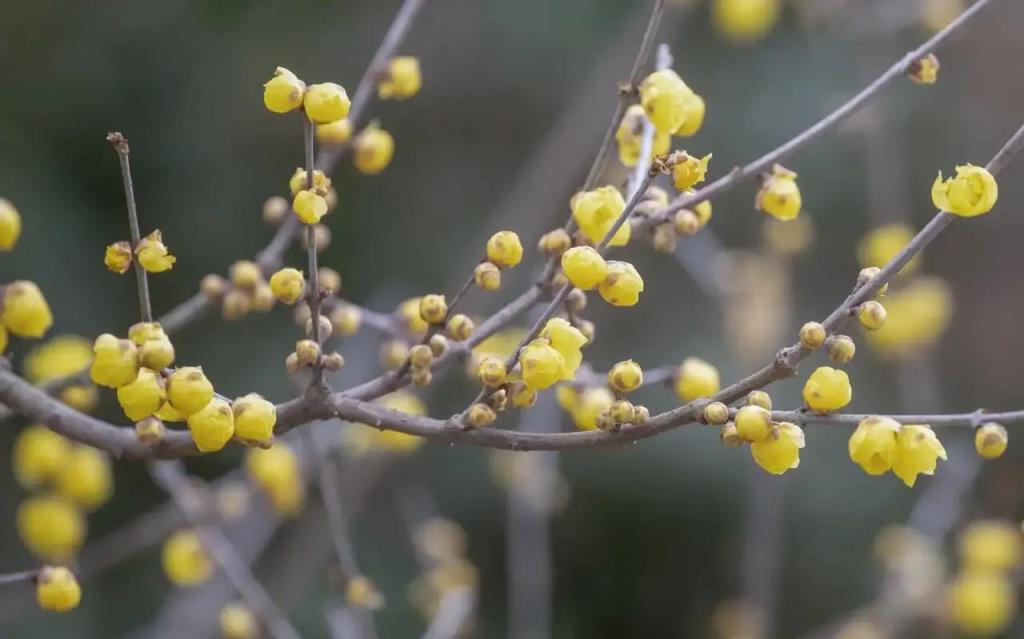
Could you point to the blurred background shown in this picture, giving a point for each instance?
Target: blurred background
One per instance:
(652, 540)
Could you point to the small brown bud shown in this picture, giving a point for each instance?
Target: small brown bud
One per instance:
(641, 415)
(759, 398)
(841, 348)
(292, 364)
(730, 436)
(460, 327)
(622, 412)
(576, 300)
(716, 413)
(421, 377)
(554, 243)
(263, 298)
(665, 239)
(480, 415)
(150, 430)
(498, 400)
(438, 344)
(235, 305)
(334, 361)
(487, 276)
(326, 328)
(330, 279)
(812, 335)
(307, 351)
(421, 356)
(213, 286)
(275, 209)
(686, 222)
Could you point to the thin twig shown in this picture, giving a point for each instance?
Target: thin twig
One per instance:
(18, 577)
(120, 144)
(313, 299)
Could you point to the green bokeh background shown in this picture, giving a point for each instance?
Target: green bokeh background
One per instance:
(652, 536)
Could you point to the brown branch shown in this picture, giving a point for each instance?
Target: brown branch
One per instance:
(120, 144)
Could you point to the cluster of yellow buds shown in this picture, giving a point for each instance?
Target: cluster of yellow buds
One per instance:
(364, 439)
(671, 106)
(184, 559)
(779, 195)
(881, 444)
(983, 596)
(625, 377)
(276, 471)
(775, 446)
(683, 223)
(504, 250)
(151, 252)
(245, 291)
(619, 283)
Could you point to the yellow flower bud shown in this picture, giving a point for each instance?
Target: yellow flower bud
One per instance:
(871, 315)
(283, 92)
(715, 413)
(50, 527)
(622, 285)
(696, 378)
(841, 348)
(115, 361)
(812, 335)
(688, 170)
(86, 479)
(480, 416)
(780, 451)
(153, 255)
(38, 455)
(372, 150)
(872, 445)
(433, 308)
(118, 257)
(184, 559)
(151, 430)
(438, 344)
(141, 332)
(827, 389)
(759, 398)
(542, 364)
(346, 320)
(522, 395)
(753, 423)
(868, 274)
(972, 191)
(626, 377)
(335, 133)
(504, 249)
(779, 195)
(420, 356)
(744, 21)
(556, 242)
(460, 327)
(487, 276)
(983, 603)
(24, 311)
(492, 372)
(326, 103)
(10, 225)
(309, 207)
(622, 412)
(288, 285)
(917, 451)
(298, 182)
(663, 96)
(991, 545)
(629, 136)
(924, 70)
(596, 212)
(991, 440)
(57, 589)
(584, 267)
(275, 208)
(212, 426)
(238, 622)
(143, 396)
(157, 354)
(188, 390)
(254, 418)
(402, 80)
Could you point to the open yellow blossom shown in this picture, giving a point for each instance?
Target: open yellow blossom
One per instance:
(882, 243)
(744, 21)
(118, 257)
(753, 423)
(372, 150)
(584, 267)
(153, 255)
(299, 182)
(596, 212)
(86, 478)
(696, 378)
(402, 80)
(309, 206)
(629, 137)
(326, 103)
(873, 444)
(917, 451)
(24, 311)
(982, 603)
(780, 451)
(567, 340)
(283, 92)
(992, 545)
(779, 195)
(38, 455)
(362, 438)
(972, 191)
(141, 397)
(688, 170)
(115, 361)
(57, 589)
(288, 285)
(213, 426)
(50, 527)
(827, 389)
(694, 107)
(10, 225)
(622, 285)
(542, 364)
(663, 96)
(184, 559)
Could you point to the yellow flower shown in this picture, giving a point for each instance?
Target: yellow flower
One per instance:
(254, 418)
(298, 182)
(991, 440)
(626, 377)
(779, 195)
(309, 207)
(972, 191)
(917, 451)
(288, 285)
(335, 133)
(567, 340)
(50, 527)
(3, 339)
(693, 106)
(86, 478)
(883, 243)
(115, 361)
(584, 406)
(622, 285)
(991, 545)
(326, 103)
(141, 332)
(184, 559)
(916, 315)
(38, 455)
(696, 378)
(873, 444)
(283, 92)
(24, 310)
(237, 622)
(402, 79)
(542, 364)
(689, 170)
(153, 255)
(753, 423)
(10, 225)
(142, 397)
(780, 451)
(63, 355)
(924, 70)
(982, 603)
(118, 257)
(584, 267)
(213, 426)
(629, 136)
(596, 212)
(504, 249)
(57, 589)
(663, 96)
(268, 467)
(744, 21)
(157, 354)
(372, 150)
(188, 390)
(827, 389)
(168, 413)
(363, 438)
